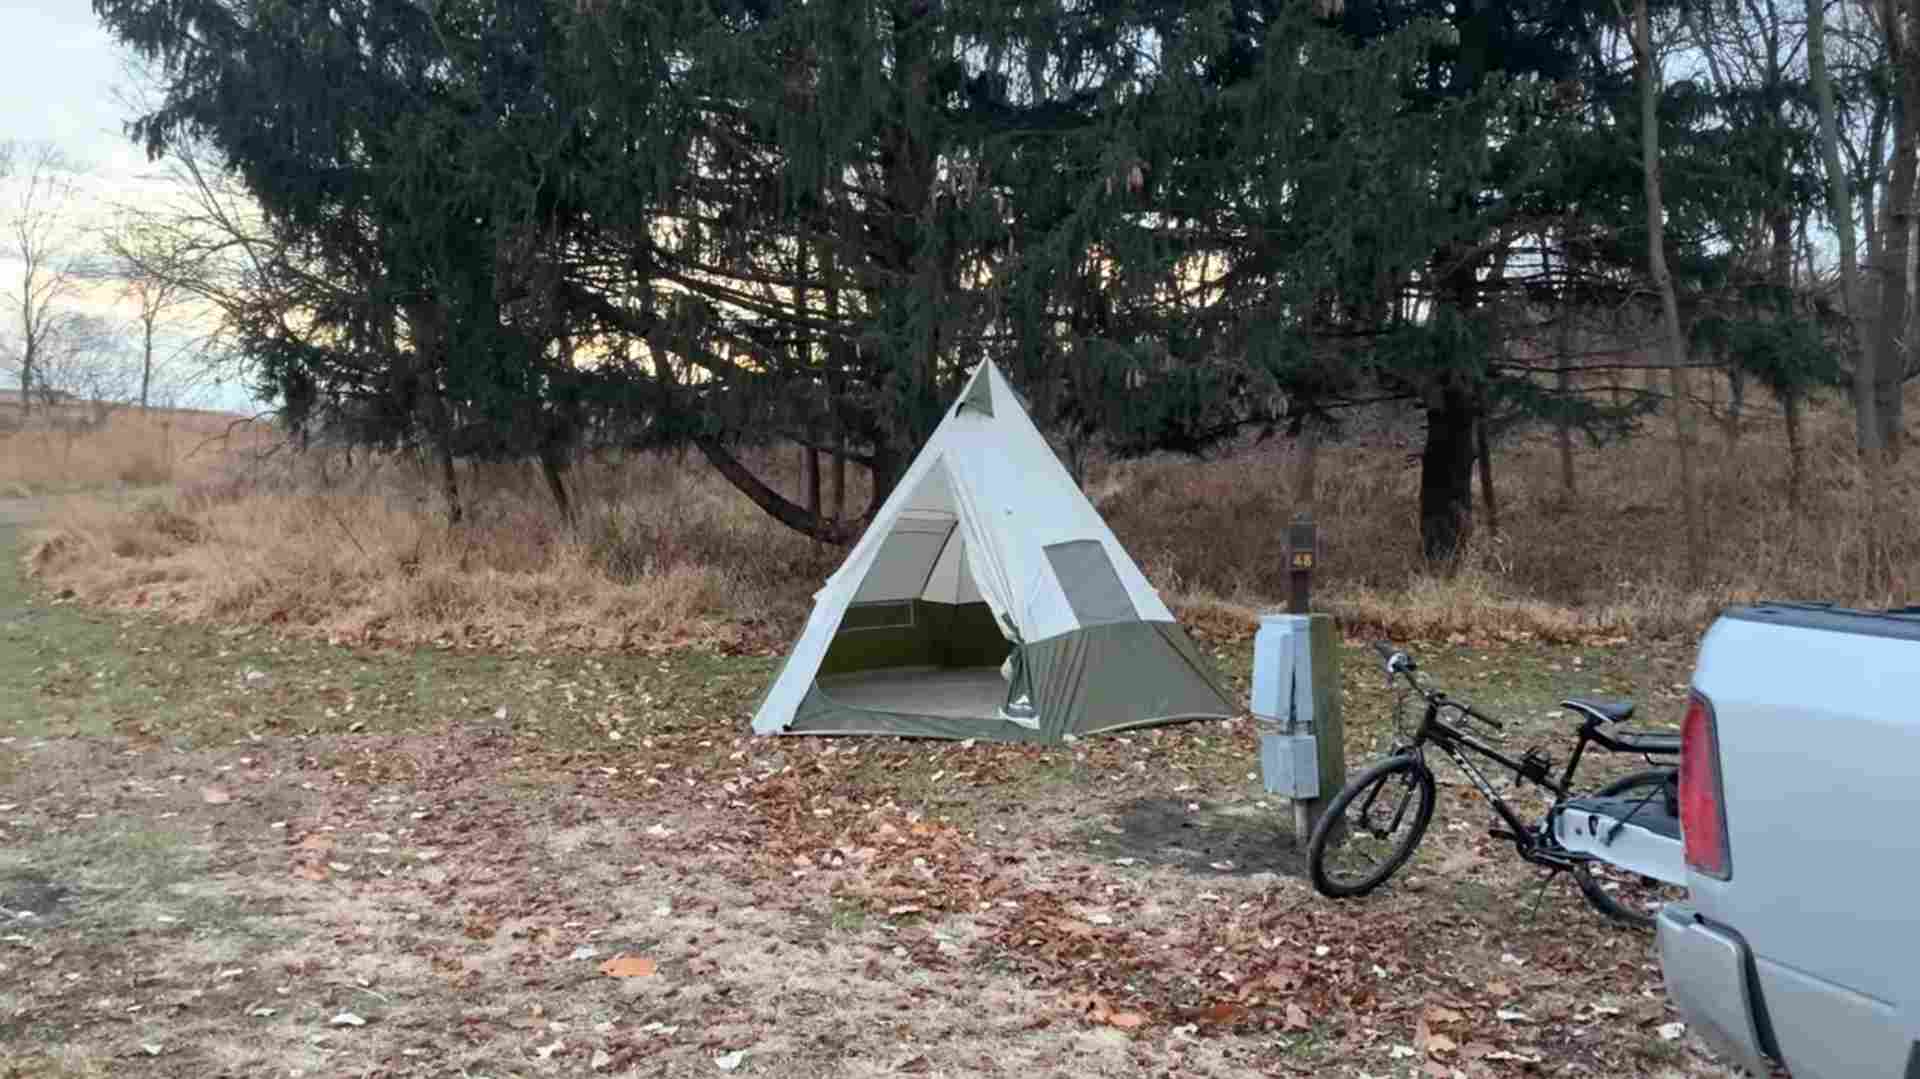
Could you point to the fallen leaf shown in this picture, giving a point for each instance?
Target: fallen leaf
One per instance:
(263, 1013)
(1440, 1043)
(1127, 1020)
(1223, 1013)
(1402, 1052)
(215, 796)
(600, 1060)
(585, 951)
(1498, 988)
(1671, 1031)
(1297, 1018)
(347, 1019)
(629, 966)
(1512, 1015)
(727, 1062)
(545, 1052)
(150, 1049)
(659, 1028)
(1437, 1014)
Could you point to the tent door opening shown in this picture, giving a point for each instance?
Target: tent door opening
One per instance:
(921, 637)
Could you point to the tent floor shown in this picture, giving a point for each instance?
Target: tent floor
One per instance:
(962, 693)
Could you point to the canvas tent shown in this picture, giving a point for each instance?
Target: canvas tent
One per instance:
(988, 600)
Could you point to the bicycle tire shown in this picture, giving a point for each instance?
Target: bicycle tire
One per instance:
(1597, 896)
(1365, 781)
(1640, 780)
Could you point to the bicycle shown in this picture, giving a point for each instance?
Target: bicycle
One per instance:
(1646, 799)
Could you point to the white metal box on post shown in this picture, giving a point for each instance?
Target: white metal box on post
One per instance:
(1283, 705)
(1294, 715)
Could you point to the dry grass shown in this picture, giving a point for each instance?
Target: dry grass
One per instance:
(64, 452)
(663, 554)
(666, 554)
(1607, 562)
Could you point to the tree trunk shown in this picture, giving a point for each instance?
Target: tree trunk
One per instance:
(1796, 451)
(885, 468)
(1889, 361)
(1563, 383)
(442, 424)
(1840, 201)
(810, 477)
(553, 466)
(1663, 281)
(427, 321)
(146, 360)
(1446, 472)
(1867, 430)
(1306, 472)
(29, 349)
(1483, 452)
(1736, 401)
(840, 482)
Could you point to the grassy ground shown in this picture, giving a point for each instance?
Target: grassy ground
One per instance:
(221, 848)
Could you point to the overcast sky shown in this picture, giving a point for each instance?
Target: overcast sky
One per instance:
(58, 72)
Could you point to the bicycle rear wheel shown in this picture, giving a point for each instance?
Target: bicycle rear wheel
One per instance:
(1385, 811)
(1620, 894)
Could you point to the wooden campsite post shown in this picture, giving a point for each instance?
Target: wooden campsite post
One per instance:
(1322, 709)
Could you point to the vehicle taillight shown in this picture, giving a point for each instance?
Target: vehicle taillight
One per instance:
(1703, 803)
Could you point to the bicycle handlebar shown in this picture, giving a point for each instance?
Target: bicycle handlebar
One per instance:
(1389, 653)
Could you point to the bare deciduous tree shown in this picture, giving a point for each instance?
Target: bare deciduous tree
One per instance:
(1647, 67)
(40, 237)
(154, 264)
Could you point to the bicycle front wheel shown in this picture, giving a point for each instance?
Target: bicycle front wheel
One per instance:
(1371, 828)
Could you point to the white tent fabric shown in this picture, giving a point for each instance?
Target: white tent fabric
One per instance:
(986, 513)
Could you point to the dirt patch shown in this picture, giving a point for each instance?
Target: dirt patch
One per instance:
(1204, 839)
(29, 896)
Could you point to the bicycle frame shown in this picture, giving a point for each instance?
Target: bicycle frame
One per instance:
(1457, 744)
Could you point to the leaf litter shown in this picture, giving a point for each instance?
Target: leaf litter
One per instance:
(999, 904)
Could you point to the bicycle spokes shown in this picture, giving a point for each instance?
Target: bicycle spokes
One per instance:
(1381, 826)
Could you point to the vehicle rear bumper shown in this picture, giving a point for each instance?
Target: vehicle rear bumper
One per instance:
(1708, 974)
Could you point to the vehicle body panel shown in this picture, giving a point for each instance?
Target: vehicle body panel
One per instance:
(1819, 739)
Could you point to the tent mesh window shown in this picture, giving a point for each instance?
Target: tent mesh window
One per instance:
(861, 616)
(1091, 584)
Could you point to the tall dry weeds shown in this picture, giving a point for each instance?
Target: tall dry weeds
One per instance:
(664, 553)
(66, 451)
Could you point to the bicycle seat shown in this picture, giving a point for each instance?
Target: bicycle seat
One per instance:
(1604, 710)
